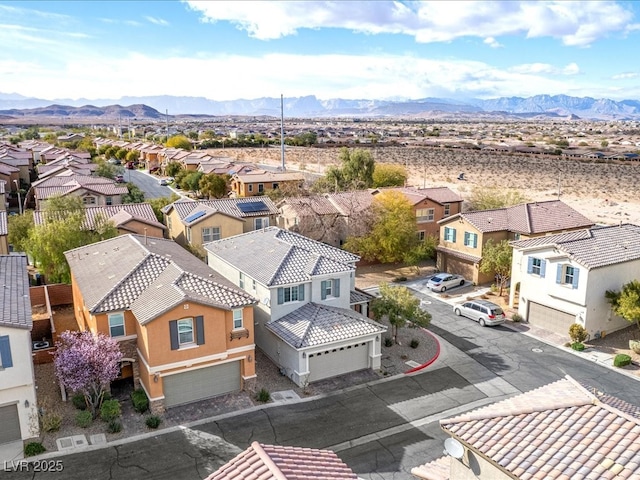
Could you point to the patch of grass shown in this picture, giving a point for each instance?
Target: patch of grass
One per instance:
(33, 448)
(79, 401)
(153, 421)
(84, 418)
(263, 395)
(114, 426)
(140, 401)
(51, 421)
(110, 410)
(388, 342)
(578, 346)
(621, 360)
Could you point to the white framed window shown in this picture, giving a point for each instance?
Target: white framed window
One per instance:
(536, 266)
(116, 325)
(447, 209)
(421, 236)
(237, 319)
(188, 234)
(89, 200)
(425, 214)
(185, 331)
(209, 234)
(274, 186)
(250, 187)
(260, 187)
(290, 294)
(241, 280)
(470, 239)
(330, 288)
(261, 222)
(449, 234)
(254, 285)
(109, 200)
(567, 275)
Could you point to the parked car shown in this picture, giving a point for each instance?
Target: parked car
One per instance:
(129, 166)
(166, 181)
(442, 281)
(119, 178)
(482, 311)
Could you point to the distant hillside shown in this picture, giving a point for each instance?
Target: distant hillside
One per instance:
(539, 106)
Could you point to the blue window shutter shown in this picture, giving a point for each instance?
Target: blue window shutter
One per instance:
(200, 330)
(530, 265)
(559, 274)
(280, 296)
(323, 290)
(543, 268)
(576, 274)
(466, 238)
(173, 332)
(454, 235)
(5, 352)
(336, 287)
(301, 292)
(475, 240)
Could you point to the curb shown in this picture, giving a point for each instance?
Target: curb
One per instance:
(435, 357)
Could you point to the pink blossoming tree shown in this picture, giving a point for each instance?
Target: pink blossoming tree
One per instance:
(87, 364)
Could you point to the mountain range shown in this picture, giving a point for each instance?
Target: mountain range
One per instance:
(156, 107)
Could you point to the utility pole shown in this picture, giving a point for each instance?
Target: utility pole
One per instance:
(167, 118)
(282, 132)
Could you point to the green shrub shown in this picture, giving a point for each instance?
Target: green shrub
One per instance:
(114, 426)
(140, 401)
(400, 279)
(621, 360)
(263, 395)
(577, 333)
(51, 421)
(493, 288)
(84, 418)
(110, 410)
(578, 346)
(414, 343)
(388, 342)
(516, 317)
(33, 448)
(79, 401)
(153, 421)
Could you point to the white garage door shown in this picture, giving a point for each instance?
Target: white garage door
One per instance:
(9, 424)
(550, 318)
(201, 384)
(331, 363)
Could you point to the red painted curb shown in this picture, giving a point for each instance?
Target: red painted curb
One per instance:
(435, 357)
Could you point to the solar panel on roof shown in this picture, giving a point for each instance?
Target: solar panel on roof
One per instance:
(194, 216)
(250, 207)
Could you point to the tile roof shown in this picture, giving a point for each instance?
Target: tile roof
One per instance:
(4, 226)
(279, 257)
(415, 195)
(526, 218)
(64, 184)
(359, 296)
(120, 215)
(349, 203)
(558, 431)
(439, 469)
(312, 205)
(274, 462)
(598, 247)
(226, 206)
(268, 176)
(147, 276)
(15, 303)
(315, 324)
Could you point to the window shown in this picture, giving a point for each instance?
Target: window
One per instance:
(470, 239)
(209, 234)
(185, 331)
(567, 275)
(241, 282)
(447, 209)
(536, 266)
(116, 325)
(330, 288)
(260, 187)
(516, 236)
(262, 222)
(109, 200)
(250, 187)
(253, 284)
(168, 221)
(421, 235)
(274, 186)
(425, 214)
(5, 352)
(290, 294)
(89, 200)
(449, 234)
(188, 229)
(237, 319)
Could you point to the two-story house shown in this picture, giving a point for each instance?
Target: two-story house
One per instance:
(194, 223)
(92, 190)
(463, 236)
(306, 321)
(186, 333)
(17, 385)
(259, 182)
(563, 278)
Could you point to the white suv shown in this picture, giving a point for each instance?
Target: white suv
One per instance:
(482, 311)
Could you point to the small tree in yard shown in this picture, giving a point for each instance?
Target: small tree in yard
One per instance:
(399, 306)
(87, 364)
(496, 259)
(626, 303)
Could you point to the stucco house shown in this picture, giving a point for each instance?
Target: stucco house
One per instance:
(563, 278)
(17, 386)
(563, 430)
(185, 332)
(307, 320)
(4, 233)
(259, 182)
(463, 236)
(194, 223)
(92, 190)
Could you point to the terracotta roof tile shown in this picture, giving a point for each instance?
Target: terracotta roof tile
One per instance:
(15, 303)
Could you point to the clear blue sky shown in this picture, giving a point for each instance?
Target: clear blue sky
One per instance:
(340, 49)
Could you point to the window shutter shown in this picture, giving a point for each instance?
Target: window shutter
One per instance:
(466, 238)
(200, 330)
(5, 352)
(301, 292)
(559, 274)
(454, 235)
(475, 240)
(280, 296)
(576, 274)
(323, 290)
(543, 268)
(530, 265)
(336, 287)
(173, 333)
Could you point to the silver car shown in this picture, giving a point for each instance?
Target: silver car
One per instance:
(442, 281)
(482, 311)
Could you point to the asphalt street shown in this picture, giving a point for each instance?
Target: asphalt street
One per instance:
(149, 184)
(381, 430)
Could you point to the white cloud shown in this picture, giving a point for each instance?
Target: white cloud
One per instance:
(492, 42)
(157, 21)
(546, 69)
(625, 75)
(574, 23)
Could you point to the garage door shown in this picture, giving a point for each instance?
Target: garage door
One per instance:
(461, 267)
(10, 431)
(550, 318)
(201, 384)
(331, 363)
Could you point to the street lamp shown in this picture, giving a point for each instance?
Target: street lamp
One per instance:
(18, 190)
